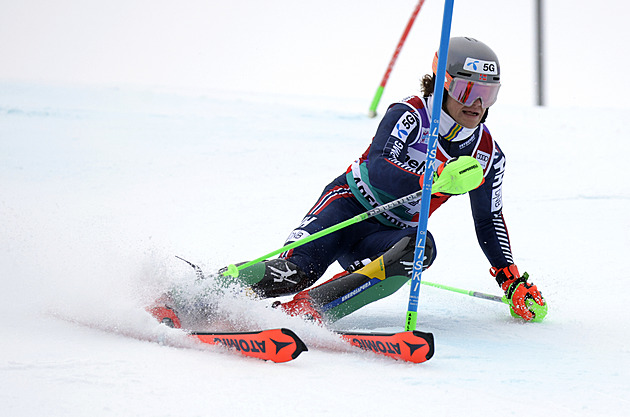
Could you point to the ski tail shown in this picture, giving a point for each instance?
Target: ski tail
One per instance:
(276, 345)
(412, 346)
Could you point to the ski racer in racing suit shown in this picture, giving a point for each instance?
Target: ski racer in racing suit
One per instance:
(377, 254)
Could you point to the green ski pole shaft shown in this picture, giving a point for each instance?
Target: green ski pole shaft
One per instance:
(475, 294)
(233, 270)
(539, 312)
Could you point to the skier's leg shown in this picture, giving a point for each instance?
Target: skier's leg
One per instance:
(346, 293)
(301, 267)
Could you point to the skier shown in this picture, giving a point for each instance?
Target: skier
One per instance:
(377, 254)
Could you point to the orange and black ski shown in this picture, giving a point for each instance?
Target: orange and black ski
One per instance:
(276, 345)
(412, 346)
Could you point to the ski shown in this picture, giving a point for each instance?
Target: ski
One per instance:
(276, 345)
(412, 346)
(283, 345)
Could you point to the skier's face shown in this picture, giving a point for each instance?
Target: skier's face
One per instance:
(467, 116)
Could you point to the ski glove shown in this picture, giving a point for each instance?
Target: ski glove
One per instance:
(436, 175)
(524, 298)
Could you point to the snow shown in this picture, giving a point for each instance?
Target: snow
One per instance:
(101, 186)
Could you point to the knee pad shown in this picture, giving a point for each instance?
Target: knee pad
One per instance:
(404, 250)
(430, 252)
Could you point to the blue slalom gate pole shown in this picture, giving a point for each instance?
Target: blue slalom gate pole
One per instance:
(425, 202)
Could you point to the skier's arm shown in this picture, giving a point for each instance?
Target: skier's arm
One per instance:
(486, 203)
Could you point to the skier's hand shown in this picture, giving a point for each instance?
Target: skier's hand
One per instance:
(461, 188)
(525, 300)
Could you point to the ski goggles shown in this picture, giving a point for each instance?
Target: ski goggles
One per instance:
(467, 92)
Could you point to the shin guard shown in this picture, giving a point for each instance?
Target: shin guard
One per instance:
(348, 292)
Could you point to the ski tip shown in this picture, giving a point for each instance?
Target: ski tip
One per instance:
(411, 346)
(276, 345)
(428, 337)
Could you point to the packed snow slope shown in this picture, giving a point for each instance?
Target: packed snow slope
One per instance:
(101, 188)
(210, 128)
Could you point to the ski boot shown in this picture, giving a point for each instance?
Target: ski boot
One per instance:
(271, 278)
(187, 307)
(163, 311)
(301, 306)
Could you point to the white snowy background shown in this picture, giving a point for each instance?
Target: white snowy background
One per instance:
(134, 131)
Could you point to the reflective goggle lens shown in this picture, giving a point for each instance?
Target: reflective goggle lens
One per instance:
(467, 92)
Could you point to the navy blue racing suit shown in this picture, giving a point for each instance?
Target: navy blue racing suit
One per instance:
(391, 168)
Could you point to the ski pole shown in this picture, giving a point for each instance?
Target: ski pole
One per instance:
(425, 202)
(233, 270)
(476, 294)
(459, 176)
(381, 87)
(539, 311)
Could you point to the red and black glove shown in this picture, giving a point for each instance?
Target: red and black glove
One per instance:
(524, 298)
